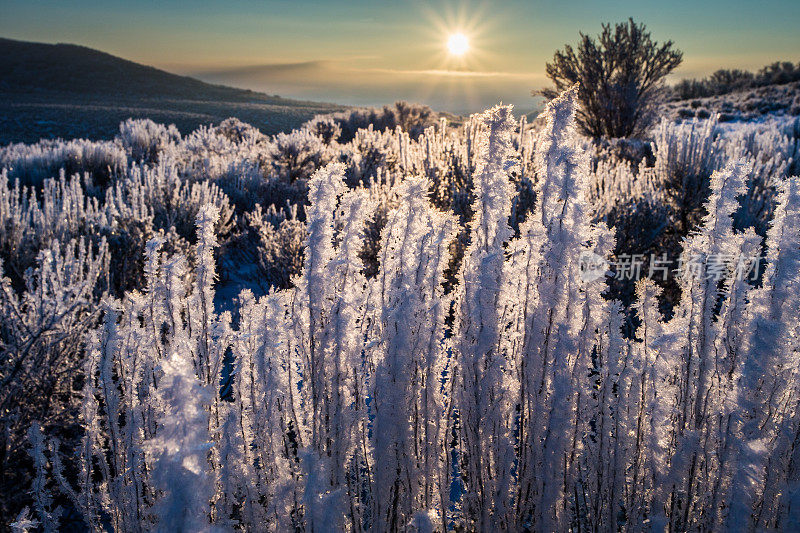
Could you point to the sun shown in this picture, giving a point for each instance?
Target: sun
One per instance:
(457, 44)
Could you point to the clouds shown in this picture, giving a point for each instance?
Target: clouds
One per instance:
(354, 81)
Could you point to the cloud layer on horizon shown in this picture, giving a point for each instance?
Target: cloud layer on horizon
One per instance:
(456, 91)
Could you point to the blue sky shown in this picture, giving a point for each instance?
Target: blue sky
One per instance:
(366, 52)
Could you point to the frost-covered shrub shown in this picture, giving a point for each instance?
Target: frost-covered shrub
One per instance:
(210, 153)
(180, 473)
(296, 155)
(652, 206)
(486, 467)
(153, 202)
(279, 193)
(414, 119)
(160, 193)
(324, 127)
(144, 140)
(774, 150)
(141, 204)
(41, 342)
(428, 351)
(32, 164)
(237, 131)
(411, 465)
(147, 421)
(127, 246)
(244, 184)
(374, 155)
(278, 244)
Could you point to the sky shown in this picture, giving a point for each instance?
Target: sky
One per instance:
(371, 52)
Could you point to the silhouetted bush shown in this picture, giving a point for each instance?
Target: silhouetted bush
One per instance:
(619, 76)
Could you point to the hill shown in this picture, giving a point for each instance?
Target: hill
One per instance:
(65, 90)
(747, 104)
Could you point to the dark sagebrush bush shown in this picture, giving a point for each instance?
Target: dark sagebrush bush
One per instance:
(619, 78)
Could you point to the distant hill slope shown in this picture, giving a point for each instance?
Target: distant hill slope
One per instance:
(743, 105)
(65, 90)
